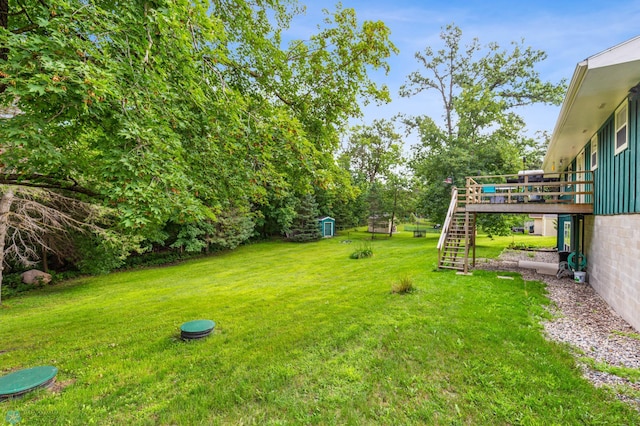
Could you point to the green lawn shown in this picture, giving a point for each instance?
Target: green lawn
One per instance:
(304, 335)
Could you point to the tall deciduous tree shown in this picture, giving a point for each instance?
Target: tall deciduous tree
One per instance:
(480, 89)
(373, 154)
(372, 151)
(165, 111)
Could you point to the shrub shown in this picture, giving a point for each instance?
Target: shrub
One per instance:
(362, 252)
(402, 286)
(157, 259)
(12, 285)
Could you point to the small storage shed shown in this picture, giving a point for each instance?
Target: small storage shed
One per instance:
(327, 226)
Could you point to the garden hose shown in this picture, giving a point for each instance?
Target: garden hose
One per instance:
(578, 265)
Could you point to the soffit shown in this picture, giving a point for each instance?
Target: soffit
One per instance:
(598, 86)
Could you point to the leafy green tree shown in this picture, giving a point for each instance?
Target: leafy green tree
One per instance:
(322, 82)
(166, 111)
(372, 151)
(481, 89)
(400, 197)
(341, 200)
(372, 155)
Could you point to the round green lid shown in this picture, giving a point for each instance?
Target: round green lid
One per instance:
(197, 326)
(22, 381)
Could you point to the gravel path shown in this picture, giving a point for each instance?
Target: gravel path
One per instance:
(582, 319)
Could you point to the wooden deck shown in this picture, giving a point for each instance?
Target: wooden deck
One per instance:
(529, 208)
(530, 193)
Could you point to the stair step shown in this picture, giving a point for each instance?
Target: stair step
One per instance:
(452, 268)
(459, 233)
(454, 260)
(457, 261)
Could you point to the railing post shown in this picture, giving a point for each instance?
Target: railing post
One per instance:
(453, 205)
(466, 242)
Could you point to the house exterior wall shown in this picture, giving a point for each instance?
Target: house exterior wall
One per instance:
(617, 178)
(612, 246)
(612, 235)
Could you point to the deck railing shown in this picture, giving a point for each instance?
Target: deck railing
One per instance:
(447, 220)
(531, 187)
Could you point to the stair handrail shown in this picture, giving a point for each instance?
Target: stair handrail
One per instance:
(447, 222)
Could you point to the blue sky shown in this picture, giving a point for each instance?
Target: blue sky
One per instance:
(568, 31)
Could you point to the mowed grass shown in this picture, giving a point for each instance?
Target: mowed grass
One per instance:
(304, 335)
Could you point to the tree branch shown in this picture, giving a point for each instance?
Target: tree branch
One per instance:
(45, 182)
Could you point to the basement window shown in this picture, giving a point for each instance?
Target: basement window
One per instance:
(622, 132)
(594, 152)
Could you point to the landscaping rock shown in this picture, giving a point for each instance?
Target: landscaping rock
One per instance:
(33, 276)
(582, 319)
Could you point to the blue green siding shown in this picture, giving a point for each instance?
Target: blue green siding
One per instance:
(562, 219)
(327, 226)
(617, 178)
(587, 166)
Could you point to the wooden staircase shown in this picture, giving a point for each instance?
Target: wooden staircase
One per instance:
(458, 236)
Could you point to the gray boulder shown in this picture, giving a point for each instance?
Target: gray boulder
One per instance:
(33, 276)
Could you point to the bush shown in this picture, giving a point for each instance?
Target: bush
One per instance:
(362, 252)
(12, 285)
(157, 259)
(404, 285)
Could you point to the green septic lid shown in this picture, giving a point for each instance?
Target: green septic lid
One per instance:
(196, 329)
(197, 326)
(23, 381)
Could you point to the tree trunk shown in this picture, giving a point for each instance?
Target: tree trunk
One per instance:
(4, 15)
(393, 212)
(4, 52)
(5, 207)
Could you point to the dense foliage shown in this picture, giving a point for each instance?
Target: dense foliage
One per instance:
(196, 125)
(181, 114)
(305, 226)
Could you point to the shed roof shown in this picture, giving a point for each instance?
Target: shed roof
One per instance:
(598, 86)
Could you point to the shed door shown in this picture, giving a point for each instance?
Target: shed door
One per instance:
(328, 229)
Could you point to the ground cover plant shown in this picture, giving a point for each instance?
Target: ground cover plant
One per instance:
(304, 335)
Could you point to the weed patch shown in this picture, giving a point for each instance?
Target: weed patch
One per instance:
(364, 251)
(403, 285)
